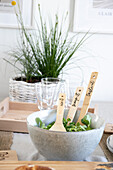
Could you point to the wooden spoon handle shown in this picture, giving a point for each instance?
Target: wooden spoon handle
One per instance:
(60, 107)
(88, 95)
(75, 103)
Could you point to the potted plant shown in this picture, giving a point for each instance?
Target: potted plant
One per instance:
(41, 53)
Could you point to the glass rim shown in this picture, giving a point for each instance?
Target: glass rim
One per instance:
(51, 79)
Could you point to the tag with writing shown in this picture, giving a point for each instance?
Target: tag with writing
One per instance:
(76, 99)
(3, 155)
(90, 88)
(75, 103)
(61, 101)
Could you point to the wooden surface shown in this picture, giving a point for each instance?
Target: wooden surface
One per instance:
(56, 165)
(88, 95)
(107, 153)
(8, 155)
(109, 128)
(75, 103)
(13, 115)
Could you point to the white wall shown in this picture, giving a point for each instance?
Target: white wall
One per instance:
(98, 49)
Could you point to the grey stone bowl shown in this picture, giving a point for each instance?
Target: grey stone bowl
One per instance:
(64, 146)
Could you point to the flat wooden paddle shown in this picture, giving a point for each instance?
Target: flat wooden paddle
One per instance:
(58, 125)
(75, 103)
(88, 95)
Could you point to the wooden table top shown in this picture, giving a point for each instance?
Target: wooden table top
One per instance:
(57, 165)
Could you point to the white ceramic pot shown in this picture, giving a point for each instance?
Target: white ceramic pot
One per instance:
(64, 146)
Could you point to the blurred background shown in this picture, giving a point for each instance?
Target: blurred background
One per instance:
(95, 55)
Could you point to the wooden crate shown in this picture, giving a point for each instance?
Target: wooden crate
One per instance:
(13, 115)
(8, 155)
(58, 165)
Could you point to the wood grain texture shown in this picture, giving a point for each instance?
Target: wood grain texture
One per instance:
(75, 103)
(23, 106)
(13, 115)
(53, 164)
(8, 155)
(103, 146)
(4, 106)
(58, 125)
(88, 95)
(108, 128)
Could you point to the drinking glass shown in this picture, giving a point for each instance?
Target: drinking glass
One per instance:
(47, 92)
(72, 86)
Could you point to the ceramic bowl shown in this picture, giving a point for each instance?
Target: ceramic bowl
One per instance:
(64, 146)
(109, 143)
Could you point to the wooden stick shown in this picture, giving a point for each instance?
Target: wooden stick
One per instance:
(75, 103)
(58, 126)
(88, 95)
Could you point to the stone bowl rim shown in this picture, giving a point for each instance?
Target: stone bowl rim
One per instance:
(59, 132)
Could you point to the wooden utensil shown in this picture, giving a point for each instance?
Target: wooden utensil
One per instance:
(58, 126)
(75, 103)
(88, 95)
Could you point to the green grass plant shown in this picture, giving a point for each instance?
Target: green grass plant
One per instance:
(46, 51)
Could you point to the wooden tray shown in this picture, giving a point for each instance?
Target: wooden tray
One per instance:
(109, 128)
(8, 155)
(58, 165)
(13, 115)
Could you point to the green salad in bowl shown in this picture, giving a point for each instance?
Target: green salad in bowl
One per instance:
(68, 124)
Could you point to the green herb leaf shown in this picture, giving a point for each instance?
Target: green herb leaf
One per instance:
(40, 123)
(46, 51)
(86, 120)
